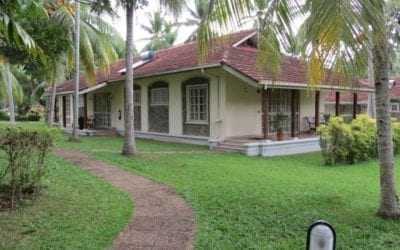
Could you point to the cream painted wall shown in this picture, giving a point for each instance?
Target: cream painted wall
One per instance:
(70, 120)
(242, 109)
(60, 111)
(144, 107)
(307, 106)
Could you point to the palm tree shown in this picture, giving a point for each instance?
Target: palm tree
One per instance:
(332, 41)
(129, 147)
(93, 44)
(56, 74)
(10, 88)
(197, 15)
(77, 33)
(11, 34)
(162, 33)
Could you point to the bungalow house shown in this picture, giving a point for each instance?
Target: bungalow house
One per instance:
(226, 101)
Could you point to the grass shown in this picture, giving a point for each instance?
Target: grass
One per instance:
(256, 203)
(76, 211)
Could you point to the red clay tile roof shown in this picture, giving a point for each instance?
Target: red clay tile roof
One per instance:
(184, 57)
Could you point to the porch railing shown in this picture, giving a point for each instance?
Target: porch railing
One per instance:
(102, 120)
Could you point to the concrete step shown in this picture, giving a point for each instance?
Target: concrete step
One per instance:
(232, 144)
(229, 148)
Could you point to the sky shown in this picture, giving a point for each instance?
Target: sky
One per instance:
(119, 23)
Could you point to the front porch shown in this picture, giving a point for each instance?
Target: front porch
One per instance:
(297, 113)
(258, 146)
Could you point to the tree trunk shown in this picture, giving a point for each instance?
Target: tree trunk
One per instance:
(11, 107)
(371, 79)
(129, 147)
(52, 104)
(75, 125)
(389, 206)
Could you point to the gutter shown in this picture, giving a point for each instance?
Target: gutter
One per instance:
(201, 67)
(90, 89)
(289, 85)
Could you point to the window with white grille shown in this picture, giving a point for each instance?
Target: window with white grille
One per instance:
(159, 97)
(197, 103)
(395, 107)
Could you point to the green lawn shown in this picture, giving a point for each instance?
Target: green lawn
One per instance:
(76, 211)
(256, 203)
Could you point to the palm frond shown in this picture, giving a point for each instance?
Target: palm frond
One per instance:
(6, 74)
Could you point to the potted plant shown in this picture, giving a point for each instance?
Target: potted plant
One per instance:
(278, 123)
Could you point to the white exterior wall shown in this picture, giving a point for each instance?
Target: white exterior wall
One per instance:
(175, 106)
(117, 104)
(60, 111)
(242, 109)
(307, 106)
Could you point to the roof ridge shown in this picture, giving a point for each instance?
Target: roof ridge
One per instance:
(195, 41)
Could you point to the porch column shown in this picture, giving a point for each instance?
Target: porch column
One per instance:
(85, 110)
(264, 110)
(337, 103)
(144, 107)
(355, 97)
(293, 112)
(316, 115)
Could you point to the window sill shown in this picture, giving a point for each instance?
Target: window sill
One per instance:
(196, 123)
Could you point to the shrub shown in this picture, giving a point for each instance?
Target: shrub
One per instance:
(28, 118)
(396, 137)
(25, 151)
(4, 116)
(363, 147)
(336, 140)
(343, 142)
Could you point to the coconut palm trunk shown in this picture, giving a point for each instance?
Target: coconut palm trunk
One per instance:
(75, 125)
(11, 107)
(389, 204)
(129, 147)
(52, 103)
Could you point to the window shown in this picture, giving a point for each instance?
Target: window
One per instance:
(159, 97)
(279, 108)
(395, 107)
(197, 103)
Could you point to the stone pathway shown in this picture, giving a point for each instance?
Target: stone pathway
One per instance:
(162, 219)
